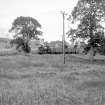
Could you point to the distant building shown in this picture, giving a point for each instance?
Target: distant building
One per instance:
(4, 43)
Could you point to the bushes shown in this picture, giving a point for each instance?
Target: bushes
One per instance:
(21, 45)
(48, 50)
(26, 48)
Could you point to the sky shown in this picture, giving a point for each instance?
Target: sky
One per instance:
(47, 12)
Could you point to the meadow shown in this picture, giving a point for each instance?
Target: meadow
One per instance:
(45, 80)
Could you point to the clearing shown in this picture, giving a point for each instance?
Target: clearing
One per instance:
(45, 80)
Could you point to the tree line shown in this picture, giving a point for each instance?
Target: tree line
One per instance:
(89, 13)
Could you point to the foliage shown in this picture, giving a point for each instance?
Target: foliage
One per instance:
(90, 13)
(44, 49)
(92, 7)
(71, 34)
(27, 27)
(20, 43)
(56, 50)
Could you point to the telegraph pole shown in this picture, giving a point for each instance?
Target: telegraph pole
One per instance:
(63, 36)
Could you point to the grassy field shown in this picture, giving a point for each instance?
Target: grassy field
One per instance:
(45, 80)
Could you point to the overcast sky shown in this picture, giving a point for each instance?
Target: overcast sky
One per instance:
(47, 12)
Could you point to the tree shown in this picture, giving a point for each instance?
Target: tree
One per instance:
(20, 45)
(71, 35)
(90, 13)
(27, 27)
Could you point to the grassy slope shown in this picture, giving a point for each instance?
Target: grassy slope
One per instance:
(44, 79)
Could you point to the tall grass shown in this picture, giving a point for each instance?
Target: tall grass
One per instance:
(46, 81)
(38, 96)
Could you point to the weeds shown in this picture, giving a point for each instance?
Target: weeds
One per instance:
(41, 80)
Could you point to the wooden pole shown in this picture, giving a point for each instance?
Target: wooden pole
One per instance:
(63, 36)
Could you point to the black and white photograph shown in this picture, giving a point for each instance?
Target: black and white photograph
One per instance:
(52, 52)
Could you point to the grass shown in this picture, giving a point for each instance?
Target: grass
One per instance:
(45, 80)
